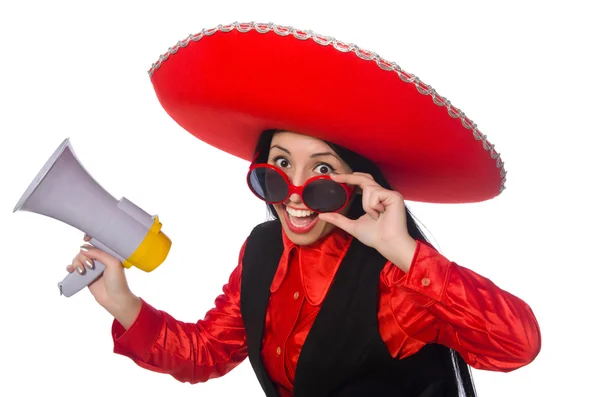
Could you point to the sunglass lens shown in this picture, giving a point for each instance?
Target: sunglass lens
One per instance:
(268, 184)
(324, 195)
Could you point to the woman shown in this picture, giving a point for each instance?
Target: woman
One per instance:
(340, 294)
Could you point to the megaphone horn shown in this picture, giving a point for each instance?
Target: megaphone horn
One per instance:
(65, 191)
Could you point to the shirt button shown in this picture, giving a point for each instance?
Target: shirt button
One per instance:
(278, 351)
(425, 281)
(296, 295)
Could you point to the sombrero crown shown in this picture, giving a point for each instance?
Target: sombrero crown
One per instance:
(228, 84)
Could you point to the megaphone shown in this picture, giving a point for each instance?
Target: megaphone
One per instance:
(65, 191)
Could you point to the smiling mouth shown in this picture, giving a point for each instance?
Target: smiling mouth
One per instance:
(300, 221)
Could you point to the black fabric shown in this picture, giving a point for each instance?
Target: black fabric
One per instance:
(344, 355)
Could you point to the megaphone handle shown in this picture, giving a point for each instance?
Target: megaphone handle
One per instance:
(75, 282)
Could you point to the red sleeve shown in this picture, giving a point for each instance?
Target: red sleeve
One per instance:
(190, 352)
(438, 301)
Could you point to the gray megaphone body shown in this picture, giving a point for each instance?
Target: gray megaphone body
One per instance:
(65, 191)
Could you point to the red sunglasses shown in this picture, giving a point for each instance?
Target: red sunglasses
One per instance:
(319, 193)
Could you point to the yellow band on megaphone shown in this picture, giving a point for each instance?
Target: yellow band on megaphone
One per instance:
(152, 251)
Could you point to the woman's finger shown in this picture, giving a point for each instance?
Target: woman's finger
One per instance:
(80, 263)
(77, 265)
(86, 261)
(355, 179)
(340, 221)
(366, 202)
(377, 198)
(108, 260)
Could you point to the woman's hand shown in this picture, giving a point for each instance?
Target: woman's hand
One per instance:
(383, 227)
(110, 290)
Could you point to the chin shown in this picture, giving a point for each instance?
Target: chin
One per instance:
(308, 232)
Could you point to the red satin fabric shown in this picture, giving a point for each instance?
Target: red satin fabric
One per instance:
(436, 301)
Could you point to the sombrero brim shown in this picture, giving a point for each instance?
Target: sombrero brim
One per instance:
(228, 84)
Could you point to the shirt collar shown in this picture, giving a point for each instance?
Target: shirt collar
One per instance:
(318, 263)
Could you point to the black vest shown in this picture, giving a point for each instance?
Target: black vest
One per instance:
(344, 354)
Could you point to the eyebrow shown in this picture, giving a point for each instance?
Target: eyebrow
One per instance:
(312, 155)
(281, 148)
(325, 154)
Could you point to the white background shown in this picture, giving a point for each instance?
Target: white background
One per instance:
(525, 72)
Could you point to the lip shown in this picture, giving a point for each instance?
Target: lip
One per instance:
(296, 229)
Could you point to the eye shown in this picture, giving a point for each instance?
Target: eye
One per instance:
(281, 162)
(323, 168)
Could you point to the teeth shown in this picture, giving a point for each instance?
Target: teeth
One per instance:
(298, 213)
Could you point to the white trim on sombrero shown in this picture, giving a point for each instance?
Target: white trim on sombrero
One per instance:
(423, 88)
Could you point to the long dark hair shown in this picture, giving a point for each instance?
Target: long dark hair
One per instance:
(454, 364)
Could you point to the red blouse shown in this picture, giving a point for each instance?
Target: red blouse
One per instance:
(437, 301)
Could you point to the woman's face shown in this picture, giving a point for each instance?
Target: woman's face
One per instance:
(302, 157)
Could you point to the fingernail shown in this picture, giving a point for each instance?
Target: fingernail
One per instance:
(80, 270)
(90, 264)
(85, 247)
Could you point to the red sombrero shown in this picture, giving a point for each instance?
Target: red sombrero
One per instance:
(228, 84)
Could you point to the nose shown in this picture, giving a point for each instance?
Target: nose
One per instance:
(295, 199)
(298, 179)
